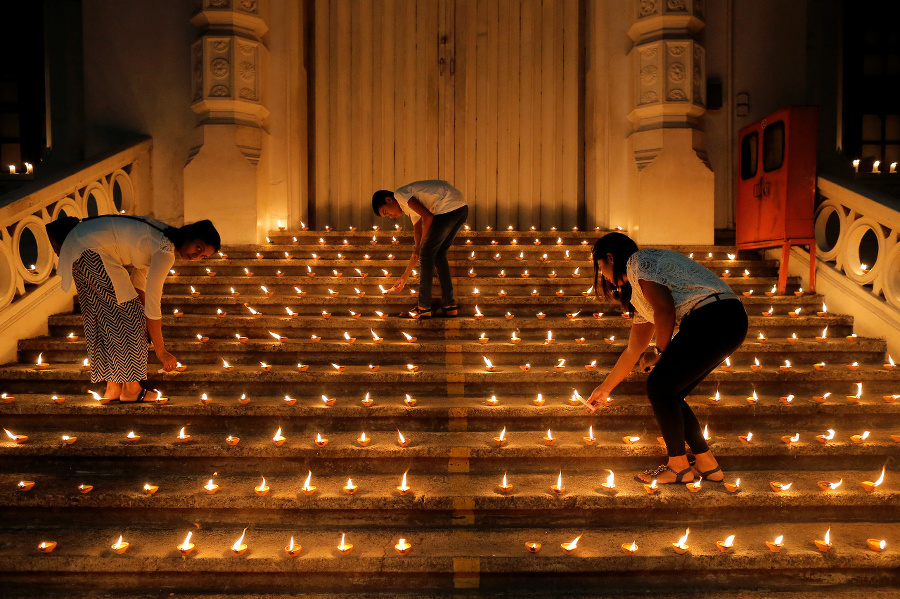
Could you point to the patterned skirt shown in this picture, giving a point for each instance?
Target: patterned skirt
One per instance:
(116, 334)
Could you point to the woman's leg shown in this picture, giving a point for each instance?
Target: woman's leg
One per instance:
(703, 341)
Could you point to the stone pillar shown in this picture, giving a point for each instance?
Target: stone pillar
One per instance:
(675, 182)
(220, 179)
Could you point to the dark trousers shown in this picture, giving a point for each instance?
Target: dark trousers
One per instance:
(705, 338)
(433, 255)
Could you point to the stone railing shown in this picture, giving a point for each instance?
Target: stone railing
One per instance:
(860, 236)
(29, 288)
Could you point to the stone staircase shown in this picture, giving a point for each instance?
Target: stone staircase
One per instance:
(466, 535)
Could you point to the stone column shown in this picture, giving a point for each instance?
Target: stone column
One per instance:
(220, 179)
(675, 182)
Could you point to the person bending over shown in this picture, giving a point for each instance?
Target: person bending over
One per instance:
(119, 308)
(664, 288)
(437, 210)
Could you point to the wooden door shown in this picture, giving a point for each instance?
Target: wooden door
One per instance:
(487, 94)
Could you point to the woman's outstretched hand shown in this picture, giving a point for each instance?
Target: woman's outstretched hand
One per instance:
(399, 285)
(167, 359)
(648, 361)
(599, 397)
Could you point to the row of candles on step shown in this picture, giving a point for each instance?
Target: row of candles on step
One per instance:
(403, 547)
(500, 441)
(505, 487)
(282, 226)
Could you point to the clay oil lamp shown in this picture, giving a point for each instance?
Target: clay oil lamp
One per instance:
(350, 488)
(869, 486)
(263, 489)
(412, 368)
(240, 338)
(571, 546)
(509, 315)
(539, 400)
(794, 313)
(891, 398)
(876, 545)
(694, 487)
(246, 272)
(226, 366)
(826, 437)
(19, 439)
(475, 292)
(610, 340)
(573, 315)
(746, 273)
(309, 271)
(266, 292)
(787, 399)
(307, 488)
(278, 439)
(652, 487)
(254, 313)
(402, 547)
(629, 548)
(610, 485)
(715, 399)
(7, 398)
(559, 489)
(853, 367)
(745, 439)
(363, 440)
(210, 487)
(47, 546)
(243, 399)
(409, 338)
(404, 488)
(549, 340)
(860, 438)
(358, 292)
(373, 368)
(793, 338)
(856, 398)
(733, 487)
(472, 272)
(478, 314)
(182, 437)
(68, 439)
(492, 400)
(681, 546)
(790, 439)
(824, 544)
(630, 440)
(726, 273)
(769, 312)
(549, 440)
(525, 367)
(561, 365)
(540, 315)
(829, 486)
(131, 437)
(71, 337)
(500, 441)
(552, 274)
(344, 548)
(488, 365)
(315, 338)
(354, 315)
(776, 545)
(299, 291)
(821, 398)
(890, 365)
(265, 367)
(239, 547)
(761, 338)
(513, 339)
(588, 293)
(532, 547)
(232, 440)
(853, 337)
(277, 337)
(25, 485)
(194, 292)
(727, 545)
(706, 432)
(753, 399)
(819, 366)
(756, 366)
(505, 487)
(771, 292)
(350, 340)
(338, 368)
(40, 364)
(120, 546)
(779, 487)
(97, 397)
(592, 366)
(726, 367)
(747, 293)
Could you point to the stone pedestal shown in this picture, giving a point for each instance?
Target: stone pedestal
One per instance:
(220, 179)
(675, 183)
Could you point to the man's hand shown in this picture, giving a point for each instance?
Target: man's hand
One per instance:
(648, 361)
(399, 285)
(167, 359)
(599, 397)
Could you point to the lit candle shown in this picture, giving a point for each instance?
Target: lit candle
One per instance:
(505, 487)
(120, 546)
(239, 547)
(860, 438)
(733, 487)
(363, 440)
(875, 544)
(610, 485)
(571, 546)
(824, 544)
(279, 439)
(726, 545)
(262, 489)
(869, 486)
(776, 545)
(559, 489)
(681, 546)
(41, 365)
(344, 548)
(350, 488)
(19, 439)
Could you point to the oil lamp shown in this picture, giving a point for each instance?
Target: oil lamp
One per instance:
(748, 293)
(761, 338)
(502, 273)
(409, 338)
(726, 367)
(120, 546)
(86, 365)
(890, 363)
(307, 488)
(505, 487)
(776, 545)
(787, 400)
(549, 340)
(652, 487)
(226, 366)
(571, 546)
(726, 545)
(860, 438)
(72, 337)
(853, 337)
(265, 367)
(681, 546)
(891, 398)
(47, 546)
(769, 312)
(194, 292)
(733, 487)
(363, 440)
(525, 367)
(869, 486)
(855, 398)
(402, 547)
(239, 547)
(488, 365)
(246, 272)
(344, 548)
(540, 315)
(7, 398)
(348, 338)
(182, 437)
(875, 544)
(791, 439)
(41, 365)
(706, 432)
(350, 488)
(819, 366)
(778, 487)
(254, 313)
(592, 366)
(279, 439)
(853, 367)
(68, 440)
(131, 437)
(824, 544)
(277, 337)
(211, 487)
(826, 437)
(338, 368)
(610, 339)
(472, 272)
(829, 486)
(302, 367)
(821, 398)
(746, 273)
(373, 368)
(409, 400)
(266, 292)
(539, 400)
(610, 485)
(232, 440)
(753, 399)
(358, 292)
(401, 440)
(552, 274)
(715, 399)
(532, 547)
(629, 440)
(97, 397)
(19, 439)
(549, 440)
(694, 487)
(309, 271)
(262, 489)
(561, 365)
(559, 489)
(727, 273)
(25, 485)
(492, 400)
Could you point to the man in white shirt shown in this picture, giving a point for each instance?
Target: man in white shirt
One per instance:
(437, 210)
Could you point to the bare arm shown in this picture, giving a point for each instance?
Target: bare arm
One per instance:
(638, 341)
(660, 299)
(154, 327)
(420, 232)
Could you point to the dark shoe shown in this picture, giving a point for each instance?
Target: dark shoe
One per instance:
(655, 472)
(450, 311)
(705, 475)
(140, 398)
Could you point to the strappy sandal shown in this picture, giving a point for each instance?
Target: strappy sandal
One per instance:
(417, 313)
(655, 472)
(705, 475)
(140, 398)
(446, 310)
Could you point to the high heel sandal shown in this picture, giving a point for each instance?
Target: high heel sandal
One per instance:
(446, 311)
(705, 475)
(655, 472)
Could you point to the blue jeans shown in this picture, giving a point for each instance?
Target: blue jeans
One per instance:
(434, 255)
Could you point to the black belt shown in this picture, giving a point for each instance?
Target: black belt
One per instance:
(712, 298)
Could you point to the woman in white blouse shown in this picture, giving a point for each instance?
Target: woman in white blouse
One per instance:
(119, 308)
(663, 288)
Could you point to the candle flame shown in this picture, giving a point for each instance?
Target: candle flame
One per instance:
(882, 544)
(504, 483)
(502, 434)
(858, 388)
(95, 395)
(487, 362)
(706, 431)
(210, 485)
(306, 486)
(562, 362)
(864, 436)
(696, 484)
(880, 478)
(653, 484)
(400, 436)
(573, 543)
(478, 313)
(262, 485)
(275, 335)
(737, 482)
(611, 479)
(591, 432)
(119, 544)
(779, 540)
(559, 481)
(827, 538)
(836, 485)
(225, 364)
(239, 543)
(349, 484)
(729, 541)
(362, 437)
(830, 435)
(342, 546)
(40, 357)
(403, 485)
(683, 540)
(795, 438)
(549, 435)
(761, 336)
(278, 436)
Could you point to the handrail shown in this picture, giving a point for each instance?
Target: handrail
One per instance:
(87, 188)
(857, 217)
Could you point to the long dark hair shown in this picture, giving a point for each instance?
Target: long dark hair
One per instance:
(202, 230)
(622, 247)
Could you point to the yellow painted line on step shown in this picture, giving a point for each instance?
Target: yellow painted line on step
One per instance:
(453, 355)
(452, 329)
(463, 507)
(459, 459)
(456, 383)
(458, 419)
(466, 572)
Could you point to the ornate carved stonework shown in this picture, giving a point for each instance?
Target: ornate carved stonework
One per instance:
(648, 7)
(219, 67)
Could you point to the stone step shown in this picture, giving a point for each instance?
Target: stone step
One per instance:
(442, 558)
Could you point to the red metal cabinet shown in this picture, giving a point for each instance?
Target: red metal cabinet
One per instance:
(777, 184)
